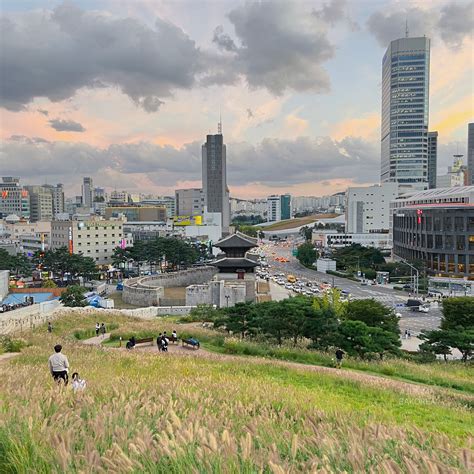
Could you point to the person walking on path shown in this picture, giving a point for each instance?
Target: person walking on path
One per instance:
(59, 365)
(102, 329)
(158, 341)
(97, 329)
(50, 327)
(339, 355)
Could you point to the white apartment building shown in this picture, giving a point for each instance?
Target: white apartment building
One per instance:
(273, 208)
(91, 238)
(368, 208)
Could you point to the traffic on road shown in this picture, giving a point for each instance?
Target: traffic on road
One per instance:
(278, 264)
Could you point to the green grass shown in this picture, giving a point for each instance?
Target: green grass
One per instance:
(147, 412)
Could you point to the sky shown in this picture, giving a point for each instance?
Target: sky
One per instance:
(125, 91)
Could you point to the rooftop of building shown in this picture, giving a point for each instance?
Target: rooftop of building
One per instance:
(438, 193)
(239, 262)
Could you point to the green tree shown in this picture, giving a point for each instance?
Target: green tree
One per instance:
(357, 256)
(18, 265)
(307, 254)
(247, 230)
(437, 342)
(354, 338)
(307, 233)
(238, 319)
(374, 314)
(456, 329)
(73, 296)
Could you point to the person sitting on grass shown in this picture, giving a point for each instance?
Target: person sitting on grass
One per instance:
(130, 343)
(77, 384)
(194, 342)
(59, 365)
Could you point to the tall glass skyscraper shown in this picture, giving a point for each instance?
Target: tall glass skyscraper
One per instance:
(405, 111)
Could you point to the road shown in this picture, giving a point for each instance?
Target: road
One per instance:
(415, 322)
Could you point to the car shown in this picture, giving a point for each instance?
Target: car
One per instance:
(363, 283)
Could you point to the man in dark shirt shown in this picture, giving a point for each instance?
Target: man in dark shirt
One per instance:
(339, 355)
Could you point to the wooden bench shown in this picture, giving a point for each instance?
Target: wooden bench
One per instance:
(145, 340)
(189, 342)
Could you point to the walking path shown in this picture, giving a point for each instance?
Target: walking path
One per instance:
(8, 355)
(97, 340)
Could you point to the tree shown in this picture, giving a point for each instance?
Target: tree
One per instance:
(16, 264)
(73, 296)
(238, 319)
(436, 342)
(382, 341)
(247, 230)
(358, 256)
(307, 233)
(354, 338)
(374, 314)
(307, 254)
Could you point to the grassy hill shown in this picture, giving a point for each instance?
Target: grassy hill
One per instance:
(299, 221)
(205, 411)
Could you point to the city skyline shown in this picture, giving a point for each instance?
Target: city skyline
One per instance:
(301, 110)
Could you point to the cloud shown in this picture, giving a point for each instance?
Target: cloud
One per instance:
(456, 22)
(55, 53)
(66, 125)
(366, 126)
(277, 47)
(291, 162)
(453, 23)
(43, 112)
(335, 12)
(250, 114)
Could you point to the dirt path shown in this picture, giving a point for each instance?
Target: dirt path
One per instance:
(96, 340)
(8, 355)
(376, 381)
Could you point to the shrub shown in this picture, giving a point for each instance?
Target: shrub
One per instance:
(12, 345)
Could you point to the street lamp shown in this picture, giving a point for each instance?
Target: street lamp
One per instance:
(416, 276)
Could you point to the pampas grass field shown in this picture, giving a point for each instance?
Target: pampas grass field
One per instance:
(208, 412)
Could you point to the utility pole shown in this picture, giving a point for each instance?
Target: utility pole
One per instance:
(416, 276)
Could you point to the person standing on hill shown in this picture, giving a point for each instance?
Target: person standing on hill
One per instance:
(50, 327)
(59, 365)
(102, 329)
(339, 356)
(97, 328)
(158, 341)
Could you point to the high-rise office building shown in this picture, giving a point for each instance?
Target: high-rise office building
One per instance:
(87, 192)
(470, 153)
(285, 206)
(432, 158)
(405, 110)
(57, 195)
(214, 177)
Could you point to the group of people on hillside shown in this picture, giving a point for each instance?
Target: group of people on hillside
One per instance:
(100, 329)
(163, 340)
(59, 368)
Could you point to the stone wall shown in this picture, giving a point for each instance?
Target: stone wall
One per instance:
(218, 293)
(29, 317)
(148, 290)
(4, 280)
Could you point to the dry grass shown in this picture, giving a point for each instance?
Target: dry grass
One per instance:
(144, 412)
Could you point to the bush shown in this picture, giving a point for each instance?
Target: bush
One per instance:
(342, 275)
(49, 284)
(8, 344)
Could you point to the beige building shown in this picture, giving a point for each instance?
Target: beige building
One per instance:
(92, 238)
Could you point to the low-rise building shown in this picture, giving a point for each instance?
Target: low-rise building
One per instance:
(93, 238)
(331, 239)
(138, 213)
(325, 264)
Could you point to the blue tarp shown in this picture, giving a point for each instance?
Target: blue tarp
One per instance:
(14, 298)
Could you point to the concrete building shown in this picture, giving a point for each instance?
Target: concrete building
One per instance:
(31, 243)
(437, 227)
(332, 239)
(214, 178)
(13, 198)
(405, 112)
(165, 201)
(189, 202)
(278, 207)
(87, 192)
(273, 208)
(470, 153)
(138, 213)
(432, 159)
(368, 208)
(93, 238)
(119, 197)
(41, 203)
(457, 174)
(325, 264)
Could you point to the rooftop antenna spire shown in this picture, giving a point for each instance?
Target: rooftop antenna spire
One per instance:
(406, 28)
(219, 125)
